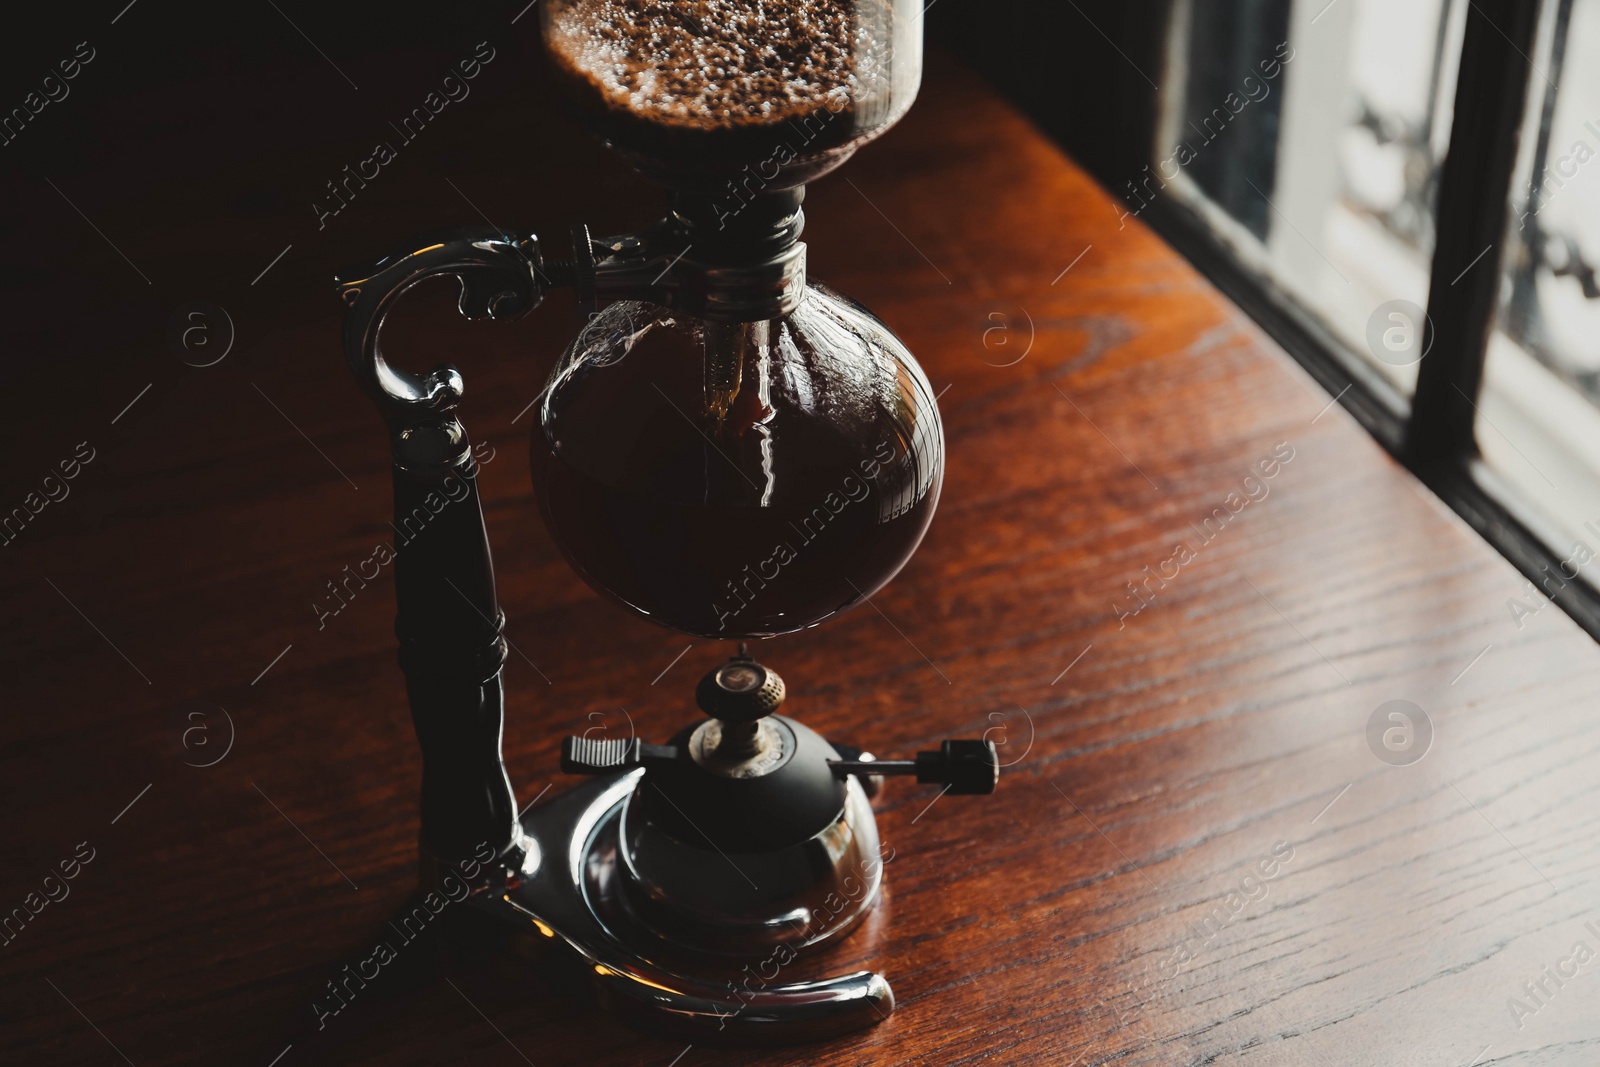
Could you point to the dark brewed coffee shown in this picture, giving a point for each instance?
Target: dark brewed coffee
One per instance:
(771, 518)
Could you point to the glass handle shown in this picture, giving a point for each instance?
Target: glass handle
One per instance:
(502, 276)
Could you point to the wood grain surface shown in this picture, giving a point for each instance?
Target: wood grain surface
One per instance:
(1195, 855)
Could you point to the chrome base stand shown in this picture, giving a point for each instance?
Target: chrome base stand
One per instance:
(569, 897)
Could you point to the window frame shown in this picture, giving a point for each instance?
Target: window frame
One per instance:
(1434, 433)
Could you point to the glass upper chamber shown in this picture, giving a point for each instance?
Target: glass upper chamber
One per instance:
(697, 94)
(736, 480)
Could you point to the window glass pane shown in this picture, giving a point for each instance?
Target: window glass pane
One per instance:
(1310, 136)
(1538, 422)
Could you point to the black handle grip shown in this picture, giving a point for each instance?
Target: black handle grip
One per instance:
(448, 621)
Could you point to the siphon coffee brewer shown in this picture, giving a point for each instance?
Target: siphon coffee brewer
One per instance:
(725, 447)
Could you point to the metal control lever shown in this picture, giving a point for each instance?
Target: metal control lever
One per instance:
(966, 768)
(584, 755)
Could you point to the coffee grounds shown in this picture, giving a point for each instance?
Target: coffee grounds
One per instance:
(722, 64)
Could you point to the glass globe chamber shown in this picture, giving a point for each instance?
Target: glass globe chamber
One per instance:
(734, 480)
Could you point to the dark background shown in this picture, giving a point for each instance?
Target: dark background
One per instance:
(268, 120)
(189, 66)
(107, 238)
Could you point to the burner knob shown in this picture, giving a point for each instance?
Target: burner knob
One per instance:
(740, 690)
(967, 768)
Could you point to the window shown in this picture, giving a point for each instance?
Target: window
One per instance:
(1408, 197)
(1334, 205)
(1538, 425)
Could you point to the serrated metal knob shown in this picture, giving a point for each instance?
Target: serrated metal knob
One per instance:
(740, 690)
(595, 755)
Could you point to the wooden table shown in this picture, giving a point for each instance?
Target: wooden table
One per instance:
(1194, 855)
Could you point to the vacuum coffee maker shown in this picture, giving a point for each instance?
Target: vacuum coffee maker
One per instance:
(725, 447)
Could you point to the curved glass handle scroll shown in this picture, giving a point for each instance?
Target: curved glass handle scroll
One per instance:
(501, 277)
